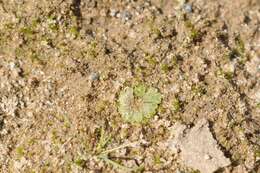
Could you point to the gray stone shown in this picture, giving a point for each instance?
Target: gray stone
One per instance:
(187, 8)
(113, 12)
(126, 15)
(94, 76)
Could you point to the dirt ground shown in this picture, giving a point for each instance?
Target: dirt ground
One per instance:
(63, 64)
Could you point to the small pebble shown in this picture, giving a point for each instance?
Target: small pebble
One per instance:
(118, 15)
(178, 171)
(94, 76)
(12, 65)
(187, 8)
(126, 16)
(113, 12)
(207, 157)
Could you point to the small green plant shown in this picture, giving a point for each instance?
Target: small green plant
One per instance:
(107, 160)
(103, 140)
(195, 34)
(138, 104)
(102, 153)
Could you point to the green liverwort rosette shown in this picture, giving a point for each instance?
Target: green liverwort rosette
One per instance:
(138, 104)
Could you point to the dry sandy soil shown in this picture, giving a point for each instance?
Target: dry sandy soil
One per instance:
(63, 64)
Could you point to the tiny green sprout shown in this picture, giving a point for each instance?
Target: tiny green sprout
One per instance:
(198, 90)
(74, 31)
(35, 58)
(156, 32)
(93, 45)
(54, 136)
(47, 41)
(27, 31)
(151, 60)
(101, 105)
(138, 104)
(19, 52)
(92, 50)
(240, 44)
(74, 18)
(31, 141)
(176, 105)
(104, 156)
(52, 23)
(228, 75)
(154, 29)
(9, 26)
(188, 24)
(166, 68)
(35, 22)
(117, 165)
(20, 151)
(51, 17)
(195, 171)
(157, 159)
(195, 35)
(141, 71)
(54, 27)
(257, 153)
(80, 162)
(175, 61)
(161, 109)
